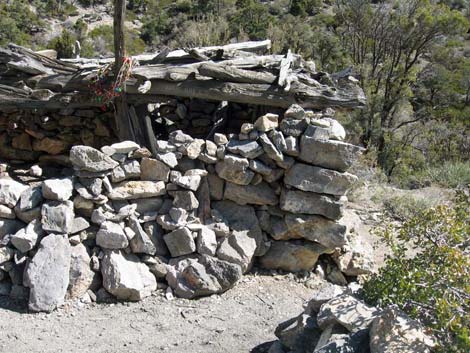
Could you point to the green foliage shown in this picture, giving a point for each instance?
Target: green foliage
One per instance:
(304, 7)
(103, 40)
(386, 44)
(404, 207)
(17, 22)
(449, 174)
(428, 273)
(156, 26)
(252, 20)
(64, 44)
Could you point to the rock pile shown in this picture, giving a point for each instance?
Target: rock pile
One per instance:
(334, 321)
(195, 215)
(47, 135)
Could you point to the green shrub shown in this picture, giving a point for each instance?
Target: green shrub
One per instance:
(103, 40)
(404, 207)
(433, 285)
(64, 44)
(450, 174)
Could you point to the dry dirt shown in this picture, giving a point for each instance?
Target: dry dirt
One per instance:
(236, 321)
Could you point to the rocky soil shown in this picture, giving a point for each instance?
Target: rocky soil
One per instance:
(236, 321)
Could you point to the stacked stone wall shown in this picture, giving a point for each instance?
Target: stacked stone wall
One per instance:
(195, 217)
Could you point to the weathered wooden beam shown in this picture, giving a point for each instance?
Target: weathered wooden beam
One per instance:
(233, 74)
(260, 94)
(122, 116)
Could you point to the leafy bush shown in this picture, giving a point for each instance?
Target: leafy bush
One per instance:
(449, 174)
(17, 22)
(103, 41)
(405, 207)
(64, 44)
(432, 285)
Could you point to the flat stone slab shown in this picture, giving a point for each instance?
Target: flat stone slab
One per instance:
(347, 311)
(10, 192)
(125, 277)
(130, 190)
(306, 202)
(329, 154)
(260, 194)
(47, 274)
(90, 159)
(292, 256)
(320, 180)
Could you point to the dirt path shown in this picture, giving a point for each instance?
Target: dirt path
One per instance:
(236, 321)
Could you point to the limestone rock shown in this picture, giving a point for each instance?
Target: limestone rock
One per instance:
(29, 215)
(292, 256)
(90, 159)
(124, 147)
(190, 182)
(216, 187)
(248, 149)
(220, 139)
(6, 254)
(127, 170)
(126, 277)
(240, 219)
(195, 148)
(7, 212)
(26, 238)
(292, 146)
(347, 311)
(267, 122)
(260, 194)
(185, 200)
(141, 243)
(9, 226)
(111, 236)
(81, 275)
(319, 180)
(191, 278)
(295, 111)
(57, 216)
(299, 334)
(323, 291)
(260, 167)
(57, 189)
(206, 242)
(169, 158)
(330, 154)
(310, 203)
(180, 242)
(239, 248)
(130, 190)
(310, 227)
(395, 332)
(47, 275)
(235, 169)
(356, 342)
(270, 148)
(336, 130)
(293, 127)
(152, 169)
(10, 192)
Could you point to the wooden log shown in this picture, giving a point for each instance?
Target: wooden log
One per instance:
(232, 74)
(122, 115)
(229, 50)
(260, 94)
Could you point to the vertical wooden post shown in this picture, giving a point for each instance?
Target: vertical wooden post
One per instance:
(123, 124)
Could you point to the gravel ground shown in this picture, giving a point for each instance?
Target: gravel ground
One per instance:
(236, 321)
